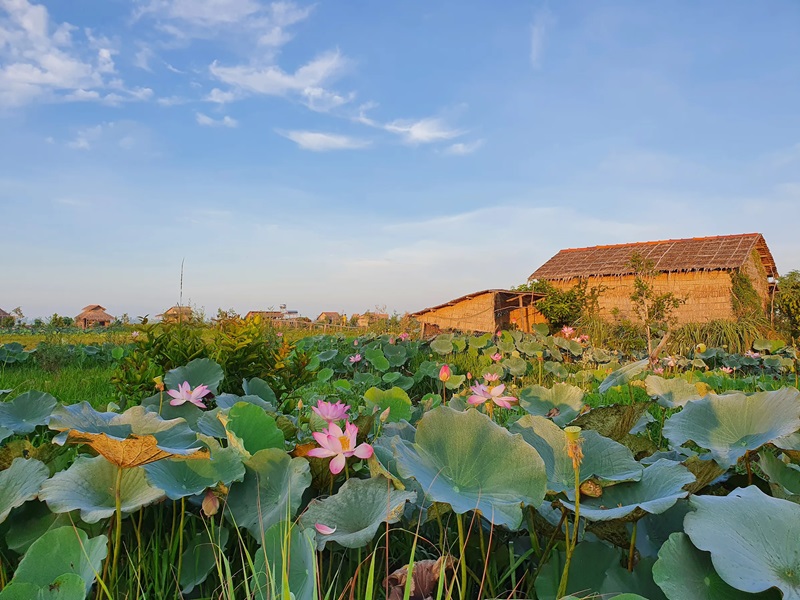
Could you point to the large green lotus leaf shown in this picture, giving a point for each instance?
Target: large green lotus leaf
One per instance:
(673, 392)
(395, 354)
(442, 345)
(623, 375)
(180, 478)
(250, 429)
(562, 402)
(258, 387)
(604, 459)
(209, 424)
(784, 479)
(660, 487)
(19, 483)
(32, 521)
(516, 366)
(730, 425)
(65, 587)
(5, 434)
(682, 571)
(596, 573)
(652, 531)
(88, 486)
(471, 463)
(289, 550)
(27, 411)
(356, 511)
(224, 401)
(59, 552)
(271, 491)
(752, 539)
(200, 557)
(376, 358)
(200, 371)
(395, 399)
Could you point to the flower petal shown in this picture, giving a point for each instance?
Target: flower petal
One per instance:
(324, 529)
(363, 450)
(337, 464)
(321, 453)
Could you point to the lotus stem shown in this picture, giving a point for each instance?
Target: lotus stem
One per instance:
(632, 549)
(118, 525)
(574, 451)
(462, 554)
(748, 467)
(537, 549)
(180, 542)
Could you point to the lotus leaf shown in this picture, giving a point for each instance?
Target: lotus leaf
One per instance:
(790, 444)
(27, 411)
(771, 346)
(652, 531)
(5, 434)
(225, 401)
(733, 424)
(614, 421)
(752, 539)
(455, 382)
(660, 487)
(784, 479)
(272, 563)
(88, 486)
(682, 571)
(562, 402)
(327, 355)
(19, 483)
(516, 366)
(65, 587)
(356, 511)
(326, 373)
(32, 521)
(258, 387)
(604, 459)
(623, 375)
(199, 558)
(395, 399)
(200, 371)
(556, 369)
(180, 478)
(395, 354)
(209, 424)
(271, 491)
(468, 461)
(250, 429)
(131, 439)
(671, 393)
(442, 345)
(376, 358)
(62, 551)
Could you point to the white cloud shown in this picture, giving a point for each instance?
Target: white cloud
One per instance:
(171, 101)
(201, 12)
(322, 100)
(86, 138)
(542, 23)
(220, 97)
(110, 136)
(143, 57)
(462, 148)
(207, 121)
(318, 141)
(423, 131)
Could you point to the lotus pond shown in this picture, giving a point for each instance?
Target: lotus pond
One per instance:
(496, 466)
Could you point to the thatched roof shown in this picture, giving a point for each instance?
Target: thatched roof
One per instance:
(332, 315)
(264, 314)
(506, 296)
(94, 313)
(723, 252)
(175, 311)
(4, 314)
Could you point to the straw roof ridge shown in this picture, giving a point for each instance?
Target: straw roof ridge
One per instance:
(713, 253)
(94, 312)
(470, 297)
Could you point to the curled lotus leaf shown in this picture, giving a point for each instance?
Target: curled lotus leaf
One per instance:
(682, 571)
(752, 539)
(200, 371)
(356, 511)
(471, 463)
(604, 459)
(623, 375)
(19, 483)
(88, 486)
(660, 487)
(131, 439)
(673, 392)
(26, 412)
(271, 490)
(562, 403)
(733, 424)
(784, 479)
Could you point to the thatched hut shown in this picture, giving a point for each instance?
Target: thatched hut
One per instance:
(93, 315)
(715, 275)
(329, 317)
(6, 319)
(370, 318)
(264, 315)
(485, 311)
(176, 314)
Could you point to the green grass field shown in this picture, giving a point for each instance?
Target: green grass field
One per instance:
(70, 384)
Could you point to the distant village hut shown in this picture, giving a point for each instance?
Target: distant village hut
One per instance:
(330, 318)
(176, 314)
(485, 311)
(6, 319)
(93, 315)
(264, 315)
(371, 318)
(714, 275)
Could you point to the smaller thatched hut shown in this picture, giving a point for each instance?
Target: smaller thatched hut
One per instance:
(369, 318)
(93, 315)
(330, 317)
(485, 311)
(176, 314)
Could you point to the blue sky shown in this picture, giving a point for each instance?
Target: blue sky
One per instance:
(346, 155)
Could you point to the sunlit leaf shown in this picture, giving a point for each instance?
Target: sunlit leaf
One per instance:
(623, 375)
(395, 399)
(562, 402)
(26, 412)
(673, 392)
(200, 371)
(19, 483)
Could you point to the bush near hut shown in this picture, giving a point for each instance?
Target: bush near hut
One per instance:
(787, 302)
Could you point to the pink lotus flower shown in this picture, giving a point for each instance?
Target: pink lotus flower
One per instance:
(481, 394)
(496, 356)
(567, 331)
(726, 370)
(279, 334)
(658, 370)
(391, 341)
(355, 342)
(751, 354)
(135, 334)
(331, 412)
(324, 529)
(355, 358)
(444, 373)
(185, 394)
(469, 375)
(491, 376)
(404, 336)
(340, 445)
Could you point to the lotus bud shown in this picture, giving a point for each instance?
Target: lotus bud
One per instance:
(210, 504)
(444, 373)
(385, 415)
(159, 381)
(700, 348)
(574, 441)
(469, 376)
(299, 405)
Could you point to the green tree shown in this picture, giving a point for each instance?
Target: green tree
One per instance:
(656, 311)
(563, 307)
(787, 302)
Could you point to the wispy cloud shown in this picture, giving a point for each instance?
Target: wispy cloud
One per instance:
(423, 131)
(206, 121)
(318, 141)
(220, 97)
(462, 148)
(542, 23)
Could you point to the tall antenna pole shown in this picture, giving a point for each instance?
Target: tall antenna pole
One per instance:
(180, 300)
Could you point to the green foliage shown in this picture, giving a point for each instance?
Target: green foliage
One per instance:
(563, 307)
(787, 302)
(654, 310)
(745, 300)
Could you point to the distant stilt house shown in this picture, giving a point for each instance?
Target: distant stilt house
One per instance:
(715, 275)
(176, 314)
(485, 311)
(330, 317)
(93, 315)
